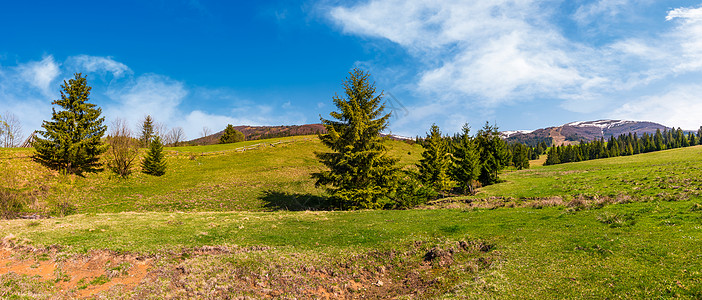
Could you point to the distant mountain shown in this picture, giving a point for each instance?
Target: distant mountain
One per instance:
(573, 132)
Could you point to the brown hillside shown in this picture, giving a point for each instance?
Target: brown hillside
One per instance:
(263, 132)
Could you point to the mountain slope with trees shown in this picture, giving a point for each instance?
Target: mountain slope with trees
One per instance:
(574, 132)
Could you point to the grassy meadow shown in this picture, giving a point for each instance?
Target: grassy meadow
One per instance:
(225, 221)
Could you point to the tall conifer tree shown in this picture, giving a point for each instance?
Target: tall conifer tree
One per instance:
(71, 142)
(435, 162)
(147, 131)
(360, 173)
(494, 155)
(466, 161)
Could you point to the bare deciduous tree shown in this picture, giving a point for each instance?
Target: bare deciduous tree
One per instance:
(10, 130)
(205, 131)
(161, 131)
(123, 148)
(175, 136)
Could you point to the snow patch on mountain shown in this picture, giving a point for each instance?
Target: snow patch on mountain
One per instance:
(508, 133)
(602, 124)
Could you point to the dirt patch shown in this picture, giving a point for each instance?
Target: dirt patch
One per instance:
(421, 270)
(418, 270)
(575, 202)
(75, 275)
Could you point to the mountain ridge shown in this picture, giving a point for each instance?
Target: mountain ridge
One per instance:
(574, 132)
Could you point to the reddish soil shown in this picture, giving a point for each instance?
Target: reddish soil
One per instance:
(73, 275)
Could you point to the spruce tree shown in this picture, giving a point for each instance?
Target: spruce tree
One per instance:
(520, 156)
(231, 135)
(147, 131)
(154, 163)
(466, 161)
(494, 155)
(71, 142)
(359, 172)
(435, 162)
(552, 157)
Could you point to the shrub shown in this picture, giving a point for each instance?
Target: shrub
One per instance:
(11, 203)
(410, 192)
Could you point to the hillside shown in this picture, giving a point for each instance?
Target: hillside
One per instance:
(222, 223)
(258, 175)
(575, 131)
(263, 132)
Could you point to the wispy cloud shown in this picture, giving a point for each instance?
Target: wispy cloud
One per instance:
(487, 54)
(27, 90)
(590, 12)
(679, 107)
(98, 64)
(40, 74)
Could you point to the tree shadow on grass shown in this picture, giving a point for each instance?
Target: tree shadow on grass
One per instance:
(275, 200)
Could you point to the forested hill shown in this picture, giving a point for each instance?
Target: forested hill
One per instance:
(263, 132)
(572, 133)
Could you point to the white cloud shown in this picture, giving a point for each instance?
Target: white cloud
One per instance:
(40, 74)
(480, 52)
(27, 89)
(689, 14)
(485, 54)
(99, 64)
(679, 107)
(587, 13)
(688, 37)
(150, 94)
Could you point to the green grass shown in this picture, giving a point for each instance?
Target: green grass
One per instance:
(274, 175)
(645, 247)
(543, 253)
(671, 174)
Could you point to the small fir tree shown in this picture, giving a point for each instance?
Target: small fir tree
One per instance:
(466, 161)
(155, 162)
(359, 172)
(71, 142)
(231, 135)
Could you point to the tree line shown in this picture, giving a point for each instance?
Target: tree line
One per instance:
(623, 145)
(360, 174)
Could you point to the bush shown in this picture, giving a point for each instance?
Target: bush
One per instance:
(11, 203)
(410, 192)
(123, 149)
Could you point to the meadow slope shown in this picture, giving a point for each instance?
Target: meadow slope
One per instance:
(626, 227)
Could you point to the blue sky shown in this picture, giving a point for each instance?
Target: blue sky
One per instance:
(523, 64)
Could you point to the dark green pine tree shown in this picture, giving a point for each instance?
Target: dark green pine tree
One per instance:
(494, 154)
(71, 141)
(231, 135)
(360, 173)
(692, 139)
(466, 162)
(552, 157)
(154, 163)
(435, 162)
(520, 156)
